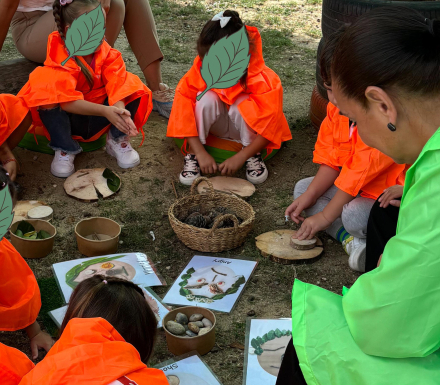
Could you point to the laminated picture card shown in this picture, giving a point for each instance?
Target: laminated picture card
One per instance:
(188, 369)
(211, 282)
(135, 267)
(159, 309)
(266, 343)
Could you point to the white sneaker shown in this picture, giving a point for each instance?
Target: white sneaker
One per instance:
(62, 165)
(256, 170)
(191, 170)
(126, 156)
(163, 100)
(356, 249)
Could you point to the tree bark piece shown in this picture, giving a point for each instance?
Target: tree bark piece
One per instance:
(276, 246)
(306, 244)
(86, 184)
(236, 186)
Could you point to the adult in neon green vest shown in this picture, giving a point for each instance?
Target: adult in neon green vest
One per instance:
(385, 329)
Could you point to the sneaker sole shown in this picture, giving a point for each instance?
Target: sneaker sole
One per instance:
(261, 179)
(122, 165)
(162, 112)
(61, 174)
(186, 181)
(356, 261)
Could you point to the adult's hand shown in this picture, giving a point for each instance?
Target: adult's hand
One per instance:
(7, 10)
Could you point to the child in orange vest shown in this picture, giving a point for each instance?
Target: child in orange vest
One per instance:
(107, 336)
(86, 97)
(20, 300)
(250, 112)
(351, 177)
(15, 120)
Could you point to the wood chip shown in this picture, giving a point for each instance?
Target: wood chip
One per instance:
(236, 345)
(306, 244)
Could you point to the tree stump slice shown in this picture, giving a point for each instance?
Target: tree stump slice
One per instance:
(86, 184)
(226, 184)
(276, 246)
(22, 208)
(44, 213)
(306, 244)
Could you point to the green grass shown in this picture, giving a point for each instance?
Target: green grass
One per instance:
(51, 299)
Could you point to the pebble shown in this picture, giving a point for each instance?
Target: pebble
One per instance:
(181, 319)
(251, 298)
(207, 323)
(203, 331)
(251, 313)
(186, 327)
(189, 333)
(193, 327)
(199, 324)
(196, 317)
(280, 222)
(175, 328)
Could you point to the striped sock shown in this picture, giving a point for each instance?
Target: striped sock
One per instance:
(342, 234)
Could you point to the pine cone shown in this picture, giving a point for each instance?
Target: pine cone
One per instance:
(196, 220)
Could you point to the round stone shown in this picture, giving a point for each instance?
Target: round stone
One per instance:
(196, 317)
(193, 327)
(190, 333)
(204, 331)
(175, 328)
(207, 323)
(199, 324)
(173, 380)
(181, 319)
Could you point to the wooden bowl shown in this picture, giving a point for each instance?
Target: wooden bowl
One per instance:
(181, 345)
(88, 245)
(34, 248)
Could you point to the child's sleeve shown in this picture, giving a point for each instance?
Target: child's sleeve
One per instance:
(365, 165)
(121, 85)
(324, 144)
(48, 85)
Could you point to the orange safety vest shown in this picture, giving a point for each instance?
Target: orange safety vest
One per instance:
(262, 111)
(90, 351)
(20, 300)
(14, 365)
(55, 84)
(12, 112)
(363, 169)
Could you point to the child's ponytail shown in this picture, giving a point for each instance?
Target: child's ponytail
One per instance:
(65, 15)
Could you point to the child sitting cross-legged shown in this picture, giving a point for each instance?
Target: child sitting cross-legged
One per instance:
(107, 337)
(350, 178)
(250, 112)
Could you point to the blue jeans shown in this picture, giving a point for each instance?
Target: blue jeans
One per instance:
(61, 125)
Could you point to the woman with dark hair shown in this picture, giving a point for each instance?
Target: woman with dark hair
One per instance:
(107, 337)
(386, 328)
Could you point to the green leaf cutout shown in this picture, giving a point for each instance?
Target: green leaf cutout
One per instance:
(226, 61)
(6, 214)
(113, 181)
(85, 34)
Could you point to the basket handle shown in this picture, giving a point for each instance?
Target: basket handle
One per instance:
(199, 180)
(222, 218)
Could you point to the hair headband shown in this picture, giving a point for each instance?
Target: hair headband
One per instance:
(219, 17)
(65, 2)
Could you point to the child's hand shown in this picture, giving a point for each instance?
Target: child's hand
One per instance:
(301, 203)
(116, 117)
(311, 226)
(11, 169)
(130, 123)
(41, 341)
(390, 196)
(207, 163)
(230, 166)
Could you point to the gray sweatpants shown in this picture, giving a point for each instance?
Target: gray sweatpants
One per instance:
(354, 216)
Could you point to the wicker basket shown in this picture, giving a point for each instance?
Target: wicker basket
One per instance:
(216, 239)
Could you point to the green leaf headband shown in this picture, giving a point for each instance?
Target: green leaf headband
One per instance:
(258, 341)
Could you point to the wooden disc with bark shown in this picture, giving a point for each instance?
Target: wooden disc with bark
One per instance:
(236, 186)
(305, 244)
(22, 208)
(86, 184)
(276, 246)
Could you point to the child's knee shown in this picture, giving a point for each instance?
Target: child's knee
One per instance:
(208, 100)
(354, 222)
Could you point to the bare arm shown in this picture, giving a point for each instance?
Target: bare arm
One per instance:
(324, 179)
(7, 10)
(334, 209)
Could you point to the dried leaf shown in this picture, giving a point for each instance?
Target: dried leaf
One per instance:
(237, 345)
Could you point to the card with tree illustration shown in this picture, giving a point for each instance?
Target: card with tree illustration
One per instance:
(266, 343)
(135, 267)
(211, 282)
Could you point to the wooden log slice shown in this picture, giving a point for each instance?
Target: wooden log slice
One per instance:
(22, 208)
(236, 186)
(276, 246)
(44, 213)
(86, 184)
(306, 244)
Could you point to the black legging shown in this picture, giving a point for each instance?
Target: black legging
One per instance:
(290, 372)
(382, 226)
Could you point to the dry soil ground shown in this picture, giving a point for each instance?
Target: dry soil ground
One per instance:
(291, 31)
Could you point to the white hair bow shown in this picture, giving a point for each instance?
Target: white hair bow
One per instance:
(223, 19)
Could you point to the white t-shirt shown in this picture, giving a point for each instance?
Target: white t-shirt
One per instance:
(34, 5)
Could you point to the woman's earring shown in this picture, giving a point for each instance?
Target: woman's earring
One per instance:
(392, 127)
